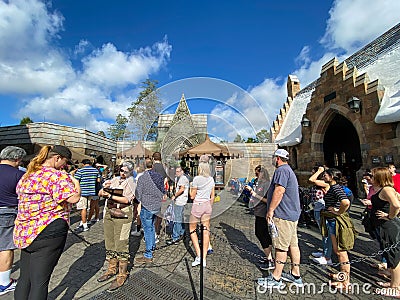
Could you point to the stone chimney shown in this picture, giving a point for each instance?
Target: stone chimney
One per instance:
(293, 86)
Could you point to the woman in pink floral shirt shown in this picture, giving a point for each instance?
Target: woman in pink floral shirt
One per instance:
(45, 194)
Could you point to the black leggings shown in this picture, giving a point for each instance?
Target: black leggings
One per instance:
(38, 261)
(262, 233)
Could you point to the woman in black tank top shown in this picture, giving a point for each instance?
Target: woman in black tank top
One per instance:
(385, 209)
(379, 205)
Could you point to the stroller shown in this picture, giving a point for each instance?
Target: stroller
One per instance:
(169, 218)
(245, 193)
(306, 205)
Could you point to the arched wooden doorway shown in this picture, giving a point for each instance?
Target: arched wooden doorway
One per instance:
(342, 148)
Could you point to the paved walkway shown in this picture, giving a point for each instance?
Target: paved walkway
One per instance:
(231, 271)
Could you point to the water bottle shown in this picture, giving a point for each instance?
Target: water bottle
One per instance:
(273, 230)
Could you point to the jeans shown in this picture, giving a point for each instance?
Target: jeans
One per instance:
(317, 217)
(179, 228)
(148, 218)
(327, 241)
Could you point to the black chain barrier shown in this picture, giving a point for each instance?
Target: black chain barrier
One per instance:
(241, 250)
(258, 256)
(261, 257)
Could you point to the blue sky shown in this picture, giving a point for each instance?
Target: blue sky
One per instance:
(80, 63)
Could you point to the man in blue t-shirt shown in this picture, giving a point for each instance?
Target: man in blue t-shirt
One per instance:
(10, 159)
(283, 203)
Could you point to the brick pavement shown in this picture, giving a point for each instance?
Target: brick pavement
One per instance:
(231, 271)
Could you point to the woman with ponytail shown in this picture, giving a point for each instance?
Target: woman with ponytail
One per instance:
(46, 194)
(337, 224)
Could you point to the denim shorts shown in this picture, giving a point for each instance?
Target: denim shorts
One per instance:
(7, 219)
(331, 226)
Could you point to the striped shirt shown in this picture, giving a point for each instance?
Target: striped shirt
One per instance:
(334, 196)
(87, 177)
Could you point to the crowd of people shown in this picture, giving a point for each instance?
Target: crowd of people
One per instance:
(36, 203)
(277, 210)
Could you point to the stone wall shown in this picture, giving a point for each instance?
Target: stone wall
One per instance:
(376, 140)
(42, 133)
(254, 154)
(379, 143)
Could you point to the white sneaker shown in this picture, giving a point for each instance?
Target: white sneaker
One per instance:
(196, 262)
(322, 260)
(157, 240)
(317, 254)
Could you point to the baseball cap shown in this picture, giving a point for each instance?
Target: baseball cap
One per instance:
(282, 153)
(63, 151)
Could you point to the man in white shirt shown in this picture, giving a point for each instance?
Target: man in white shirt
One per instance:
(180, 199)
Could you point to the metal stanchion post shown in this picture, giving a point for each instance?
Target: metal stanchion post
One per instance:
(201, 242)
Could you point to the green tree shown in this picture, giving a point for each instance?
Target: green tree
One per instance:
(263, 136)
(101, 133)
(117, 130)
(25, 120)
(238, 139)
(251, 140)
(143, 113)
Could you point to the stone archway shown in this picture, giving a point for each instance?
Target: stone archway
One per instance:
(341, 147)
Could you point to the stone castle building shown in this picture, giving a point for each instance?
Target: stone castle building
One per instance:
(348, 118)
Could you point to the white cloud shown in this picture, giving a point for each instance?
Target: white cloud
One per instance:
(270, 95)
(353, 23)
(109, 67)
(304, 57)
(34, 67)
(27, 63)
(248, 112)
(26, 27)
(81, 47)
(307, 73)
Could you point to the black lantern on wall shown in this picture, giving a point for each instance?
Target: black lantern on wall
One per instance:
(305, 122)
(354, 104)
